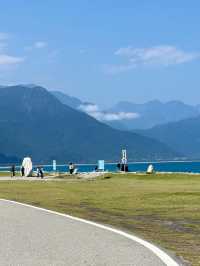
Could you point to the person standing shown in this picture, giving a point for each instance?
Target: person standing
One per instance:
(38, 171)
(123, 167)
(41, 173)
(118, 166)
(71, 168)
(22, 171)
(12, 170)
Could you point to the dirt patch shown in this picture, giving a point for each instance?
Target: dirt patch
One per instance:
(180, 226)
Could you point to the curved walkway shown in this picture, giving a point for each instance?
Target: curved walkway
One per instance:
(35, 236)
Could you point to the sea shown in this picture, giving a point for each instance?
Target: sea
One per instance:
(180, 166)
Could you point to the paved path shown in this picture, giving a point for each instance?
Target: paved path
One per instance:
(30, 236)
(91, 175)
(19, 178)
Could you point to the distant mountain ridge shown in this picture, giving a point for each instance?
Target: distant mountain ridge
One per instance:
(147, 115)
(183, 136)
(35, 123)
(155, 113)
(66, 99)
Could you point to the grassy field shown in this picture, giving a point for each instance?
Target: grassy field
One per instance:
(8, 173)
(164, 209)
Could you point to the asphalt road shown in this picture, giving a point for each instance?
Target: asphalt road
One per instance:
(30, 236)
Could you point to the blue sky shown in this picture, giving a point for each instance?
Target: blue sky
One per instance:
(103, 51)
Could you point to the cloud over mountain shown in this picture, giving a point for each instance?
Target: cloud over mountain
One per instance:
(94, 111)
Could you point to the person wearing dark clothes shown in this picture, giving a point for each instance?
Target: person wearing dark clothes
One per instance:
(12, 170)
(123, 167)
(41, 172)
(22, 170)
(118, 166)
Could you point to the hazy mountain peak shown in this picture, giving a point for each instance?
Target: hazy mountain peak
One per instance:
(155, 101)
(155, 112)
(29, 85)
(184, 135)
(71, 101)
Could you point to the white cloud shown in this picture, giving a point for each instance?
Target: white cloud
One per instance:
(163, 55)
(89, 108)
(6, 59)
(103, 116)
(94, 111)
(36, 45)
(40, 44)
(10, 60)
(4, 36)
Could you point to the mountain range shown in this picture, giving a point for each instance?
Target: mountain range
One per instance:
(182, 136)
(174, 123)
(144, 116)
(33, 122)
(154, 113)
(70, 101)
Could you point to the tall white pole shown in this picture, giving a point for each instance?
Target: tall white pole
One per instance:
(124, 159)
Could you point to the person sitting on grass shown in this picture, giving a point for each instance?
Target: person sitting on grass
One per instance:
(40, 172)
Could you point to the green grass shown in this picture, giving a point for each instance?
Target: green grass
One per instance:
(8, 173)
(164, 209)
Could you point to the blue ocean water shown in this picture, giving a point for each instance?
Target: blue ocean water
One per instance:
(190, 167)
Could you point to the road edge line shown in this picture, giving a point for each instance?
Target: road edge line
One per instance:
(164, 257)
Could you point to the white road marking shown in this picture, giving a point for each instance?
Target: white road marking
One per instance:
(157, 251)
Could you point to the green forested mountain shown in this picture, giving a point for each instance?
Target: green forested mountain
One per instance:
(34, 123)
(183, 136)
